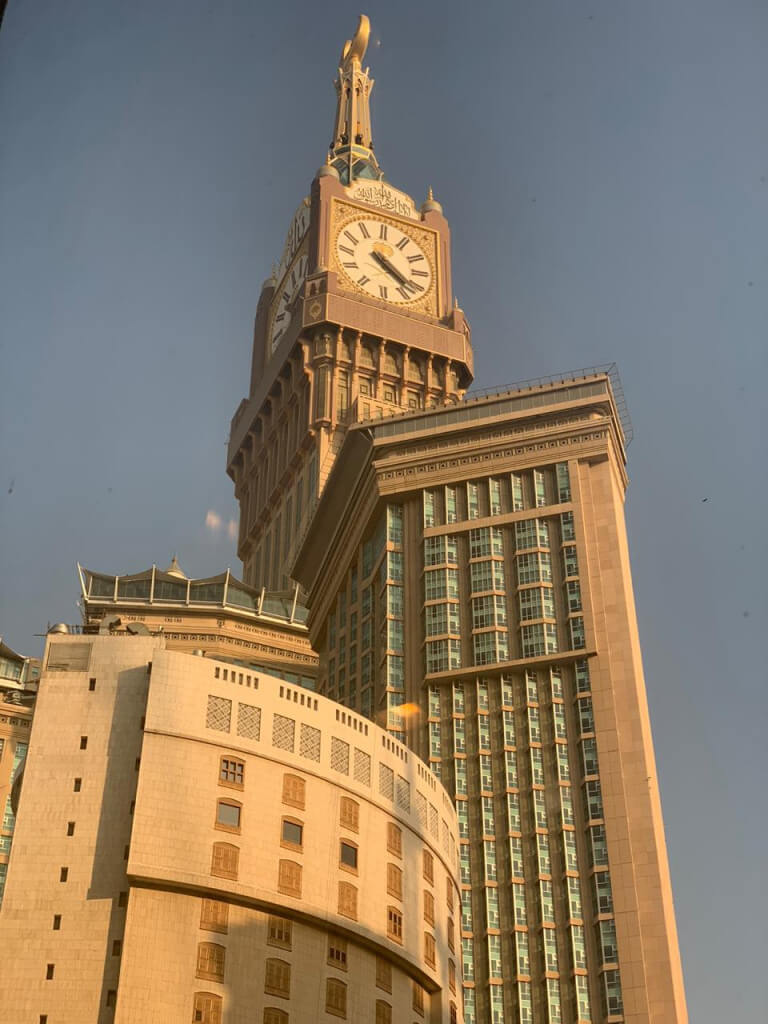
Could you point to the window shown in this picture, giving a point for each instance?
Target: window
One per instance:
(56, 922)
(279, 932)
(277, 978)
(83, 742)
(111, 997)
(349, 813)
(383, 974)
(77, 785)
(348, 855)
(70, 828)
(337, 952)
(228, 815)
(231, 773)
(292, 834)
(289, 878)
(428, 865)
(63, 874)
(336, 997)
(429, 907)
(452, 976)
(49, 970)
(348, 900)
(210, 961)
(122, 899)
(383, 1012)
(274, 1016)
(394, 924)
(214, 916)
(394, 881)
(206, 1008)
(429, 948)
(418, 998)
(91, 685)
(294, 791)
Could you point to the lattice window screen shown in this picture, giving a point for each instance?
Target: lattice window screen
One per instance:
(434, 821)
(362, 767)
(403, 793)
(219, 713)
(421, 809)
(248, 721)
(283, 732)
(339, 756)
(309, 742)
(386, 782)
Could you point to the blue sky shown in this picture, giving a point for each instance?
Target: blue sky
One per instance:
(604, 167)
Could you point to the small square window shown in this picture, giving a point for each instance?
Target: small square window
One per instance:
(293, 833)
(232, 772)
(50, 968)
(63, 873)
(348, 856)
(57, 922)
(83, 742)
(77, 785)
(70, 828)
(337, 952)
(91, 685)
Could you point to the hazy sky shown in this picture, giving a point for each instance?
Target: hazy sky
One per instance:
(604, 167)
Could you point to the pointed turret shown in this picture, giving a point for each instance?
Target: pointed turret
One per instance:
(352, 147)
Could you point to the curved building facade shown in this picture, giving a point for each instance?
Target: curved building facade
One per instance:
(236, 849)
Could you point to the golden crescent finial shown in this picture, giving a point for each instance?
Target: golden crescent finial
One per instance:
(354, 49)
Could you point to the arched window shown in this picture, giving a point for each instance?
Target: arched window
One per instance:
(277, 978)
(336, 997)
(394, 881)
(214, 916)
(348, 900)
(206, 1008)
(294, 791)
(349, 813)
(383, 1012)
(210, 961)
(394, 839)
(289, 878)
(274, 1016)
(225, 860)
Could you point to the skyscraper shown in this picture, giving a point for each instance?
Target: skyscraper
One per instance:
(469, 587)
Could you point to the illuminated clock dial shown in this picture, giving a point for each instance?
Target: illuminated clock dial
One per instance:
(285, 296)
(383, 261)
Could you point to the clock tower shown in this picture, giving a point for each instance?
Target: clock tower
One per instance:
(355, 324)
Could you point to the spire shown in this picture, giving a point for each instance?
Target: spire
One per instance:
(351, 151)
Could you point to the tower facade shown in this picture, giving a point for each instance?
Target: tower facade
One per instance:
(357, 322)
(469, 588)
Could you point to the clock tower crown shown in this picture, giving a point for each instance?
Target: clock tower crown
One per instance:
(351, 151)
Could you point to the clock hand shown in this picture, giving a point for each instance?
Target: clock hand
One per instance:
(390, 267)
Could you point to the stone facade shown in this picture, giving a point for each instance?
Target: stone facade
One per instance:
(199, 843)
(469, 588)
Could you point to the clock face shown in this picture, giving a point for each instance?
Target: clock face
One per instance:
(384, 261)
(285, 296)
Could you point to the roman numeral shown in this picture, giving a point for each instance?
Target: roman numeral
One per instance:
(383, 232)
(279, 318)
(403, 242)
(363, 230)
(351, 237)
(415, 259)
(363, 279)
(403, 292)
(347, 250)
(382, 291)
(419, 273)
(351, 264)
(412, 287)
(286, 297)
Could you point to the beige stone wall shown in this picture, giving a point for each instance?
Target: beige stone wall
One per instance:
(87, 903)
(175, 831)
(121, 928)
